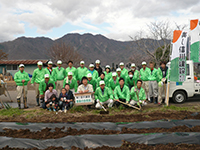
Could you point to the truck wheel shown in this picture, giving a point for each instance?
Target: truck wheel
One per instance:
(179, 97)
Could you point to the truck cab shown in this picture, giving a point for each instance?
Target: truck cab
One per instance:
(180, 92)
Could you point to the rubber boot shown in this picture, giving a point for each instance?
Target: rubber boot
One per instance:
(156, 100)
(25, 103)
(41, 102)
(37, 100)
(19, 103)
(151, 99)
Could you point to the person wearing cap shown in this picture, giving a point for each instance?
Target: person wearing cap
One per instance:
(133, 76)
(124, 71)
(92, 81)
(163, 76)
(70, 68)
(43, 87)
(21, 78)
(138, 94)
(108, 73)
(103, 95)
(119, 74)
(94, 73)
(153, 83)
(85, 87)
(71, 80)
(59, 75)
(38, 76)
(113, 82)
(101, 78)
(81, 72)
(49, 70)
(136, 73)
(122, 93)
(144, 76)
(97, 67)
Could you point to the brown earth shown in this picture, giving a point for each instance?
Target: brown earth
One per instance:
(47, 133)
(126, 146)
(120, 117)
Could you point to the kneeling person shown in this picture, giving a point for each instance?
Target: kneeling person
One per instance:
(103, 95)
(138, 94)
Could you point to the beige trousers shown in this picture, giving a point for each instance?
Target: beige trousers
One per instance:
(59, 85)
(145, 86)
(20, 92)
(109, 102)
(37, 93)
(161, 93)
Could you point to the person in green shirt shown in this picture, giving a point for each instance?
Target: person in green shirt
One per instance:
(163, 76)
(43, 87)
(121, 93)
(71, 80)
(130, 82)
(103, 95)
(59, 75)
(144, 74)
(136, 73)
(21, 78)
(138, 94)
(71, 69)
(108, 73)
(153, 83)
(101, 78)
(124, 71)
(113, 82)
(92, 81)
(38, 76)
(49, 70)
(94, 73)
(119, 74)
(81, 72)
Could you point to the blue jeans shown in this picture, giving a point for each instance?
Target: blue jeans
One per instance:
(62, 105)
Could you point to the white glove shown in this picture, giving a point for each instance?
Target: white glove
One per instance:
(163, 79)
(144, 103)
(97, 100)
(135, 90)
(111, 101)
(32, 84)
(140, 101)
(50, 103)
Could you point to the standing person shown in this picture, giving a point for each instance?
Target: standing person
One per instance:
(144, 76)
(124, 71)
(108, 74)
(71, 68)
(103, 95)
(81, 72)
(113, 82)
(92, 81)
(38, 76)
(162, 78)
(85, 87)
(122, 93)
(21, 78)
(97, 67)
(153, 83)
(135, 72)
(71, 81)
(94, 73)
(49, 70)
(43, 87)
(59, 75)
(138, 94)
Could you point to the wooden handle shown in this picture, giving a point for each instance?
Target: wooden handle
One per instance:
(102, 106)
(127, 104)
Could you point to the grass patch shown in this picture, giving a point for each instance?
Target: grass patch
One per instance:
(77, 109)
(10, 112)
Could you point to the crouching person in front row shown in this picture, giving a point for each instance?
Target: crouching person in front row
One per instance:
(103, 95)
(52, 103)
(138, 96)
(66, 98)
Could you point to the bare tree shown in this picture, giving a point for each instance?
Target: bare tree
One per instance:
(158, 36)
(3, 55)
(64, 52)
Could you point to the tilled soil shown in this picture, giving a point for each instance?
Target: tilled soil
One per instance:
(48, 133)
(126, 146)
(53, 118)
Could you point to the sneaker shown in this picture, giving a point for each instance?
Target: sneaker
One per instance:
(54, 109)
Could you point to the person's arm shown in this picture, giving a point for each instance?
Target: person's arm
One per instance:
(46, 96)
(127, 95)
(96, 94)
(75, 86)
(143, 97)
(116, 93)
(110, 93)
(54, 85)
(41, 88)
(27, 77)
(33, 77)
(64, 82)
(90, 88)
(17, 79)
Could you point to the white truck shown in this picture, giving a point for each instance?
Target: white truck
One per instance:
(180, 93)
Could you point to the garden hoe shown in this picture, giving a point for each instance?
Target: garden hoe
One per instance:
(127, 104)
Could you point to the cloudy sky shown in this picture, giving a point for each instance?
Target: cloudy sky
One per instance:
(115, 19)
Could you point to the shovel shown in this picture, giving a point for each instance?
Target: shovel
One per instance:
(65, 110)
(24, 97)
(105, 110)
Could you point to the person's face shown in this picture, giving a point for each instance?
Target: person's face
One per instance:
(50, 65)
(40, 67)
(90, 78)
(144, 66)
(53, 99)
(114, 78)
(132, 68)
(63, 91)
(139, 84)
(46, 79)
(21, 69)
(82, 65)
(122, 67)
(107, 70)
(67, 87)
(121, 82)
(85, 82)
(130, 73)
(59, 65)
(91, 68)
(102, 76)
(70, 64)
(102, 86)
(151, 66)
(163, 65)
(70, 77)
(119, 73)
(50, 88)
(97, 65)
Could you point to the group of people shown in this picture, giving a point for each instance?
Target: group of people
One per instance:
(134, 87)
